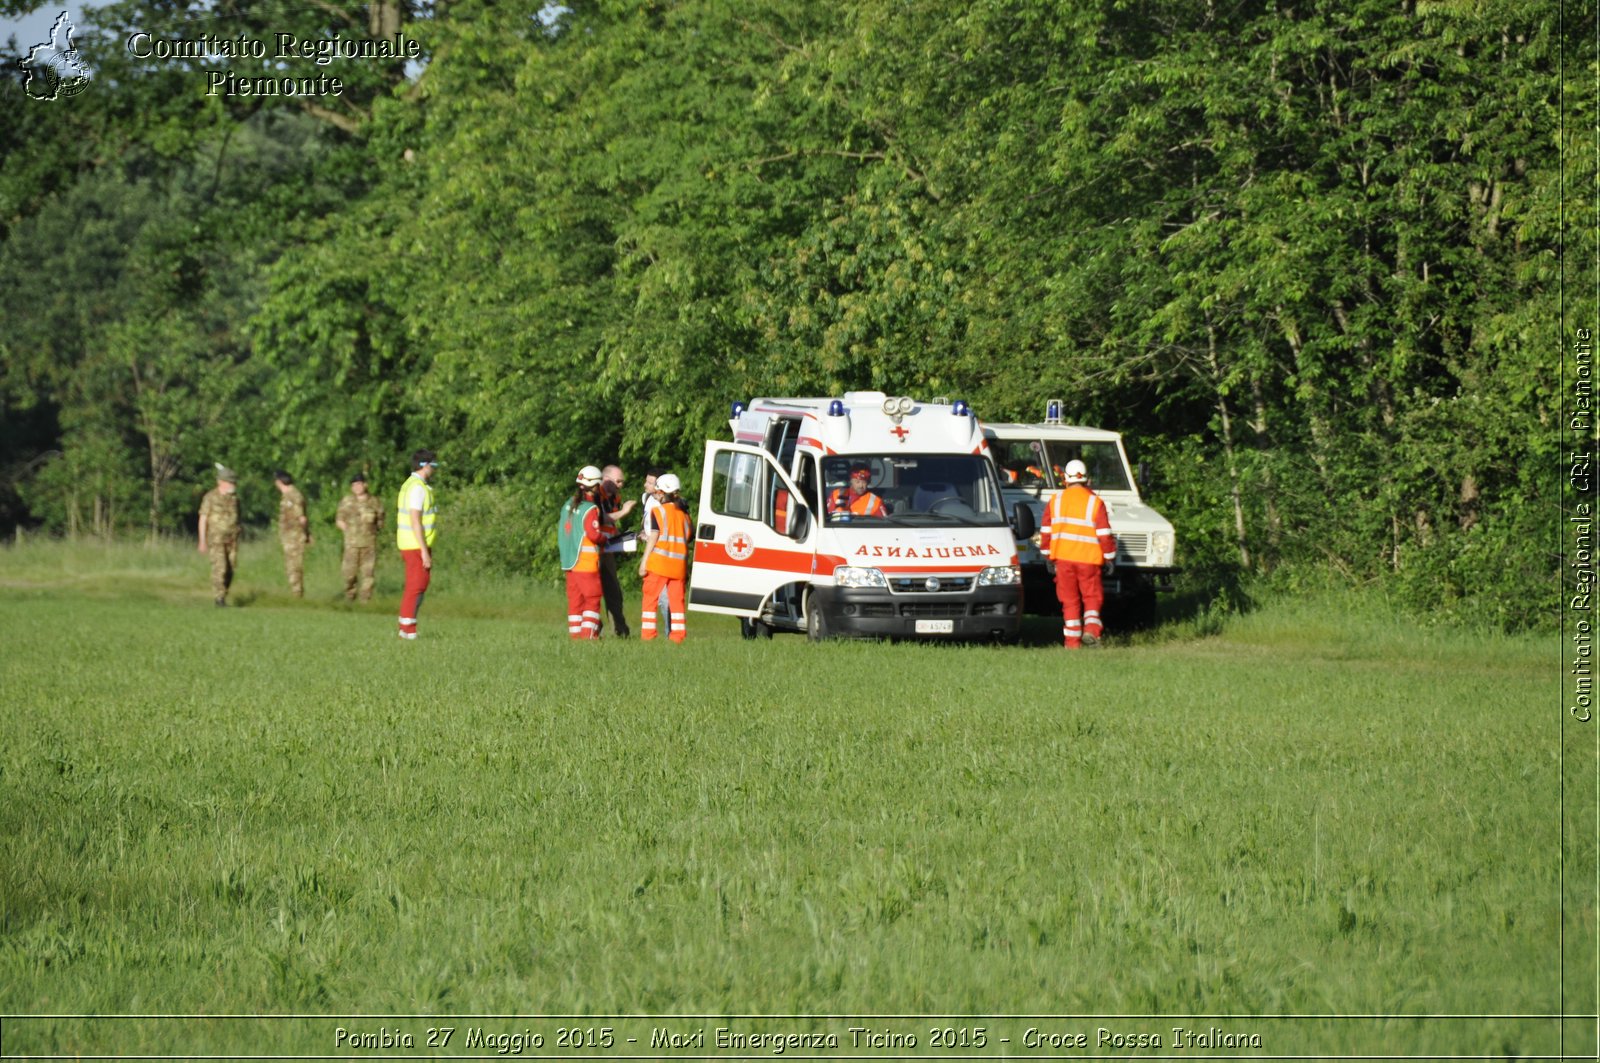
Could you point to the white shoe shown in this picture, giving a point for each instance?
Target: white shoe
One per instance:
(406, 634)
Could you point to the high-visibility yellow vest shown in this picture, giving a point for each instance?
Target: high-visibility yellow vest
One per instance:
(669, 556)
(403, 536)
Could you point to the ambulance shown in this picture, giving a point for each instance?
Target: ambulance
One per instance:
(788, 539)
(1030, 459)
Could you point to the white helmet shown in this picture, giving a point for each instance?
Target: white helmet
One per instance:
(588, 476)
(1077, 472)
(668, 484)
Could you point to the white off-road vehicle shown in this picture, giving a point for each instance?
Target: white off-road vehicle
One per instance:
(1030, 459)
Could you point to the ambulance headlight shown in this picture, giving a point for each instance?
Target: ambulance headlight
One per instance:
(856, 577)
(1000, 576)
(1161, 546)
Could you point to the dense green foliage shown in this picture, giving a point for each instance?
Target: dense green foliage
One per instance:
(281, 808)
(1308, 256)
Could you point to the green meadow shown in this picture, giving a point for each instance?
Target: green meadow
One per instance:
(1324, 824)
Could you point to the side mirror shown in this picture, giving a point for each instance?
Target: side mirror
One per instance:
(1022, 522)
(800, 524)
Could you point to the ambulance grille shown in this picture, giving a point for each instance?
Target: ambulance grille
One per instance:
(919, 584)
(1133, 547)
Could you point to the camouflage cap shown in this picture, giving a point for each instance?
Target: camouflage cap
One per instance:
(225, 474)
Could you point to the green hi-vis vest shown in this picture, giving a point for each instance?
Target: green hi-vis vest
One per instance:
(569, 532)
(403, 536)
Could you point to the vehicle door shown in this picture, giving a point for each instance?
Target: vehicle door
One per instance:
(753, 535)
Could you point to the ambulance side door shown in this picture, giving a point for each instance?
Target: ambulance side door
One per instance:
(753, 533)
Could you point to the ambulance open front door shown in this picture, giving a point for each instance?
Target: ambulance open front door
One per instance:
(753, 533)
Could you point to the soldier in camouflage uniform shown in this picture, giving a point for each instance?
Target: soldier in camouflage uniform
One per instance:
(294, 531)
(360, 517)
(219, 531)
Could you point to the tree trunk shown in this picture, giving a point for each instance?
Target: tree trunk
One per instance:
(1269, 488)
(383, 19)
(157, 485)
(1316, 421)
(1228, 454)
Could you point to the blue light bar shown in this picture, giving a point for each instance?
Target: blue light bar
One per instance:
(738, 408)
(1052, 413)
(960, 408)
(836, 408)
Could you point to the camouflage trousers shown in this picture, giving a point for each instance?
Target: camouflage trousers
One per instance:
(362, 560)
(294, 563)
(224, 555)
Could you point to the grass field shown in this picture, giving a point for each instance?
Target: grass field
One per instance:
(1313, 810)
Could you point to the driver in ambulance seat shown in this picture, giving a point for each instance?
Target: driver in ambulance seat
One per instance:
(857, 499)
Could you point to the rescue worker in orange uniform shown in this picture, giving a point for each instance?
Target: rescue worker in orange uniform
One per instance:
(665, 564)
(857, 499)
(1076, 537)
(579, 535)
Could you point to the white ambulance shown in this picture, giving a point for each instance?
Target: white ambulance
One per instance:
(788, 540)
(1030, 459)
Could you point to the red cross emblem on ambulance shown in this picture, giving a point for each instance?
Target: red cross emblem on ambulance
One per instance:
(740, 546)
(901, 431)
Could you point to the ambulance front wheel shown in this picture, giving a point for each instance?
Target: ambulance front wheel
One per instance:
(754, 629)
(816, 626)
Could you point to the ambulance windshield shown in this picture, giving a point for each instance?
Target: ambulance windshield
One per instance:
(917, 489)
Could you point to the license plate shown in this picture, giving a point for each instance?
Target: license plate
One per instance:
(935, 627)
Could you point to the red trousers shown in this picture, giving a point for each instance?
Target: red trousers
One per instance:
(583, 604)
(654, 584)
(1078, 587)
(417, 580)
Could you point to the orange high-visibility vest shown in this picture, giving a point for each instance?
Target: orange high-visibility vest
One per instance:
(1078, 527)
(588, 557)
(669, 556)
(780, 511)
(863, 505)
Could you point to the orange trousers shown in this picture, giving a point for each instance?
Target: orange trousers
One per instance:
(653, 586)
(1081, 593)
